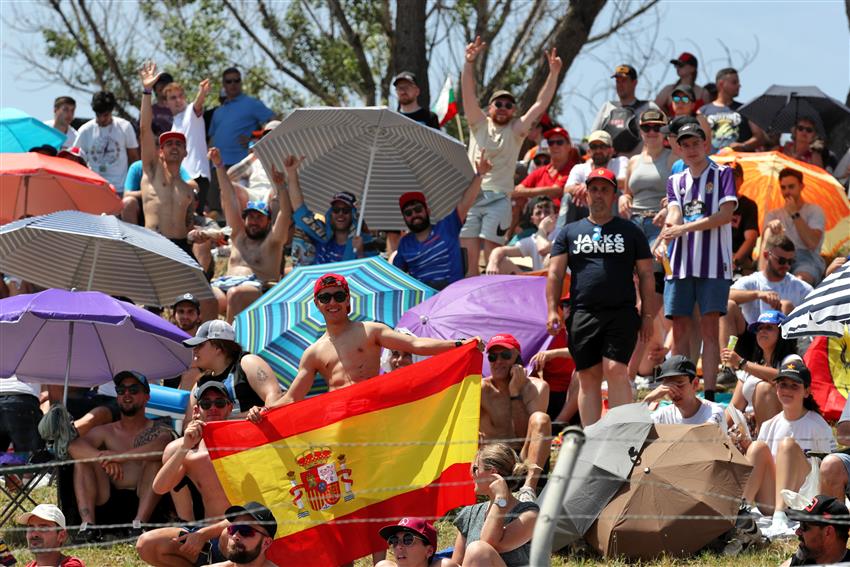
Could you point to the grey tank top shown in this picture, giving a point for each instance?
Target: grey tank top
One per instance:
(648, 182)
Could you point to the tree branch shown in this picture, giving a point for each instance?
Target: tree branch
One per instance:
(622, 22)
(129, 92)
(367, 85)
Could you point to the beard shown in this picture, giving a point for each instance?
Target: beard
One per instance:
(419, 225)
(257, 233)
(241, 555)
(603, 160)
(128, 411)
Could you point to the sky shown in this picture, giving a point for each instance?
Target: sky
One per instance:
(786, 43)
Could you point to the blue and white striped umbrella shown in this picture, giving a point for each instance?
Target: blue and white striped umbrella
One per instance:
(825, 311)
(76, 250)
(284, 322)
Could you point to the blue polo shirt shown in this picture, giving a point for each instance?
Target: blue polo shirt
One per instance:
(234, 119)
(436, 261)
(133, 181)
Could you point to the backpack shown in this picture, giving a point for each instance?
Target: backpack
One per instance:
(622, 124)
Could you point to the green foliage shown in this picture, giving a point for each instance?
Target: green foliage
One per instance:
(59, 46)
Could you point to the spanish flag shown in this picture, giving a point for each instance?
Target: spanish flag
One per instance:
(336, 467)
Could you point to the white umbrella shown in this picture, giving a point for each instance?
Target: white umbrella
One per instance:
(825, 311)
(375, 153)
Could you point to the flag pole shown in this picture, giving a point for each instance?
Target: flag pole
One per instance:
(459, 128)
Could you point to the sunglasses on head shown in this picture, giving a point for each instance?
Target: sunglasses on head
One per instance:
(134, 389)
(504, 355)
(650, 127)
(412, 210)
(220, 403)
(782, 261)
(232, 81)
(557, 142)
(808, 129)
(341, 210)
(406, 539)
(243, 530)
(338, 296)
(503, 104)
(684, 99)
(542, 160)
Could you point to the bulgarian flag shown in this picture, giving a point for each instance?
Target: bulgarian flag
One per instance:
(446, 106)
(335, 468)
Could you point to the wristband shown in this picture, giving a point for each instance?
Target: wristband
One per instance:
(458, 343)
(516, 397)
(742, 364)
(146, 91)
(795, 216)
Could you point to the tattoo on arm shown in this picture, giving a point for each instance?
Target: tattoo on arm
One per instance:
(146, 436)
(262, 376)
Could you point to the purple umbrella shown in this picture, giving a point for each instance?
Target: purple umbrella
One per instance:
(485, 306)
(84, 338)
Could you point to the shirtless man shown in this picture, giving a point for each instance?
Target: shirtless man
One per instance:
(183, 458)
(513, 406)
(132, 444)
(257, 244)
(249, 535)
(349, 351)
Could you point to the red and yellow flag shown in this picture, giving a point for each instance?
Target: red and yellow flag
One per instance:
(336, 467)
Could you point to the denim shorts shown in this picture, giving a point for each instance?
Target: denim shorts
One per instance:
(680, 296)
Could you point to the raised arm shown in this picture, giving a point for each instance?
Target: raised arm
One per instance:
(544, 97)
(203, 91)
(482, 167)
(393, 340)
(229, 201)
(149, 77)
(467, 83)
(280, 228)
(296, 198)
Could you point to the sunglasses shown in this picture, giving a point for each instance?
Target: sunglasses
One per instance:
(806, 526)
(504, 355)
(808, 129)
(232, 81)
(782, 261)
(134, 389)
(684, 99)
(650, 127)
(220, 403)
(338, 296)
(542, 160)
(244, 530)
(557, 142)
(406, 540)
(503, 104)
(413, 210)
(341, 210)
(598, 147)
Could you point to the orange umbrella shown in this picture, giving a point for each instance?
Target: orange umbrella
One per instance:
(761, 184)
(33, 184)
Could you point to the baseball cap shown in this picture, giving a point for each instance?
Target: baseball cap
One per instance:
(823, 510)
(795, 370)
(501, 94)
(676, 123)
(600, 136)
(260, 513)
(677, 365)
(770, 317)
(344, 197)
(74, 153)
(404, 76)
(685, 58)
(625, 71)
(542, 148)
(415, 526)
(602, 173)
(329, 280)
(691, 129)
(683, 88)
(215, 329)
(186, 297)
(164, 79)
(171, 135)
(270, 125)
(138, 376)
(49, 512)
(259, 206)
(212, 385)
(409, 197)
(653, 116)
(556, 131)
(503, 340)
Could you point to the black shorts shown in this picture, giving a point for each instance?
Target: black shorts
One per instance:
(611, 334)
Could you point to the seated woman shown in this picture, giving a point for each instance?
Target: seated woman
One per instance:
(803, 134)
(780, 456)
(496, 532)
(757, 372)
(413, 542)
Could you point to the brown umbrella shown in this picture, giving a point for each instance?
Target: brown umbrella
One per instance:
(684, 491)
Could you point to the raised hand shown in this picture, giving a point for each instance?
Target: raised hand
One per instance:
(483, 165)
(204, 88)
(555, 62)
(215, 156)
(474, 48)
(148, 74)
(291, 162)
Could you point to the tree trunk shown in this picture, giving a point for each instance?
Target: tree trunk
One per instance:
(410, 45)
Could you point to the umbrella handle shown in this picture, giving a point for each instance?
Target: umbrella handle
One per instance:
(372, 151)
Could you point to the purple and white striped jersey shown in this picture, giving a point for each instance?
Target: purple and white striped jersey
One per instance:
(705, 253)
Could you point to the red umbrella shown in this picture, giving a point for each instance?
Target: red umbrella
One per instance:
(34, 184)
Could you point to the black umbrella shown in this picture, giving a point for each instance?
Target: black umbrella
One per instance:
(779, 108)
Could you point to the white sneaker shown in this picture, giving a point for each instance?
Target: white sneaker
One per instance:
(780, 527)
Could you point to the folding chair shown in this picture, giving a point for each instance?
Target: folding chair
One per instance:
(18, 483)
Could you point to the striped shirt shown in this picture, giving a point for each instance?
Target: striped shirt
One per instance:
(704, 253)
(437, 260)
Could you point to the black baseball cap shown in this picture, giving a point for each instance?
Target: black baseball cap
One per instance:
(625, 71)
(690, 130)
(676, 123)
(260, 513)
(653, 116)
(677, 365)
(404, 76)
(186, 297)
(138, 376)
(796, 370)
(683, 88)
(212, 385)
(823, 510)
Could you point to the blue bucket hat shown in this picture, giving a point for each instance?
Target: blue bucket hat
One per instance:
(771, 317)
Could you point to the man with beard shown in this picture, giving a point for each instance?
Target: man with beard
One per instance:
(127, 453)
(256, 245)
(574, 201)
(407, 92)
(45, 535)
(431, 253)
(823, 533)
(187, 313)
(250, 533)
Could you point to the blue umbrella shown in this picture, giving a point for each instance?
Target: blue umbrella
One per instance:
(19, 132)
(284, 322)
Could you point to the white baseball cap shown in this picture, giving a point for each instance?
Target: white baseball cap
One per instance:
(215, 329)
(49, 512)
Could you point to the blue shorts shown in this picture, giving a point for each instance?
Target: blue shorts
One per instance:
(680, 296)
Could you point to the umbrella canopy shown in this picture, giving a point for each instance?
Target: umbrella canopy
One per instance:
(682, 471)
(34, 184)
(484, 306)
(825, 311)
(19, 132)
(761, 184)
(285, 321)
(375, 153)
(84, 338)
(611, 446)
(71, 249)
(828, 359)
(780, 106)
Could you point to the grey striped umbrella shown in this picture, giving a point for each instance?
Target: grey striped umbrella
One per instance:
(72, 249)
(375, 153)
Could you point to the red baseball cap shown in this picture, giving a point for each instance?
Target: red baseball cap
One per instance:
(557, 131)
(503, 340)
(415, 526)
(330, 280)
(602, 173)
(172, 135)
(410, 197)
(685, 58)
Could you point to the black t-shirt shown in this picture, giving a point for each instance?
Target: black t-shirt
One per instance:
(424, 116)
(799, 558)
(745, 217)
(602, 260)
